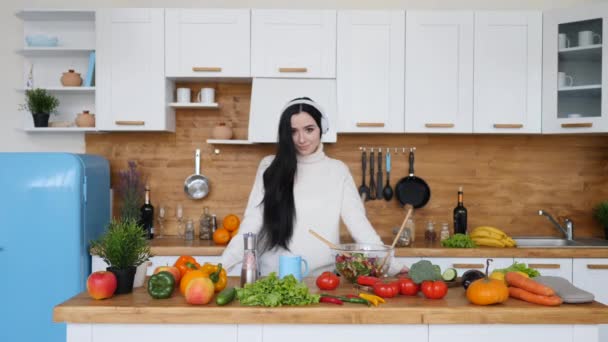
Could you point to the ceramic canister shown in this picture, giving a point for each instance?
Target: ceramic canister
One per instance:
(71, 79)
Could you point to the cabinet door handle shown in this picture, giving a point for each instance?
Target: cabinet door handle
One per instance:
(577, 125)
(130, 123)
(206, 69)
(597, 267)
(439, 125)
(508, 126)
(468, 265)
(370, 124)
(552, 266)
(293, 69)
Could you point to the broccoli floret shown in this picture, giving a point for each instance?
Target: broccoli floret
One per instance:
(424, 270)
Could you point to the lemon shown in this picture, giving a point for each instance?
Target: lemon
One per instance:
(498, 276)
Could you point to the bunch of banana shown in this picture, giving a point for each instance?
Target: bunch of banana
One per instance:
(491, 237)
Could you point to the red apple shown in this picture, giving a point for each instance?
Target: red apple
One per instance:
(101, 284)
(171, 269)
(199, 291)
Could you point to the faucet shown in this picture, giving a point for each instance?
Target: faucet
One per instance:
(569, 225)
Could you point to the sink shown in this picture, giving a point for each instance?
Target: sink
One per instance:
(548, 242)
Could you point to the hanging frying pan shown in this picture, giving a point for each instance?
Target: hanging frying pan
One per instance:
(411, 189)
(196, 186)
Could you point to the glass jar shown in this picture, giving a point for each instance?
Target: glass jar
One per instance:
(205, 225)
(189, 232)
(430, 235)
(404, 239)
(411, 226)
(445, 232)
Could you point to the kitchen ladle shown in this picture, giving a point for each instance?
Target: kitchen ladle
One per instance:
(387, 192)
(408, 213)
(328, 243)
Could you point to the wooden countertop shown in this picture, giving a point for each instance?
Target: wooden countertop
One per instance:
(177, 246)
(139, 307)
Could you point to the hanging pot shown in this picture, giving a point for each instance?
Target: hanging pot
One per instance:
(196, 186)
(411, 189)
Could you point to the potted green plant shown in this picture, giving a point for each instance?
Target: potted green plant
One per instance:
(130, 190)
(123, 247)
(41, 105)
(600, 212)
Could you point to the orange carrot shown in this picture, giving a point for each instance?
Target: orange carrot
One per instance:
(534, 298)
(518, 280)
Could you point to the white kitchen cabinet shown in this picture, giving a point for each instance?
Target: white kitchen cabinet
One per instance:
(508, 72)
(550, 267)
(370, 82)
(269, 96)
(464, 264)
(592, 275)
(344, 332)
(293, 43)
(507, 332)
(577, 104)
(131, 88)
(207, 42)
(439, 72)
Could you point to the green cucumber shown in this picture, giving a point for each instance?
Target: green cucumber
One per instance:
(226, 296)
(449, 274)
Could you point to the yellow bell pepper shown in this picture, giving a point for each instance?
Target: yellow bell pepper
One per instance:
(217, 274)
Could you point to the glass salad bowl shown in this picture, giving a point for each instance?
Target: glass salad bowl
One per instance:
(355, 259)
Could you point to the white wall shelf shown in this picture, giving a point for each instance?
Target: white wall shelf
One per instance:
(59, 129)
(54, 51)
(65, 89)
(229, 142)
(213, 105)
(56, 14)
(590, 53)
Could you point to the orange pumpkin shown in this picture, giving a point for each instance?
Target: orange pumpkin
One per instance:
(487, 291)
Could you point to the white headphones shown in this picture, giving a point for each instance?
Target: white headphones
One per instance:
(301, 101)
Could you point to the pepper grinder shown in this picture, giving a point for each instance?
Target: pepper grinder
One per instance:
(249, 270)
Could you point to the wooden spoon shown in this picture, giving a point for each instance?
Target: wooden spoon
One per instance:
(409, 209)
(327, 242)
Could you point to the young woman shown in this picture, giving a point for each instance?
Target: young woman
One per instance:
(298, 189)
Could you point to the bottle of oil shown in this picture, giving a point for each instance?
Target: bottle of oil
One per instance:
(146, 218)
(460, 215)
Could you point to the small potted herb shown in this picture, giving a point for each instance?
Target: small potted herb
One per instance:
(123, 247)
(600, 212)
(41, 105)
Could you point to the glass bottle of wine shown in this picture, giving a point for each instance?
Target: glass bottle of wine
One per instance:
(147, 216)
(460, 215)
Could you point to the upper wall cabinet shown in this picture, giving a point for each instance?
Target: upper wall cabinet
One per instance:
(131, 87)
(207, 43)
(508, 72)
(370, 82)
(293, 43)
(439, 68)
(575, 72)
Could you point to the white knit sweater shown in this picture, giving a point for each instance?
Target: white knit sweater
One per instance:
(324, 193)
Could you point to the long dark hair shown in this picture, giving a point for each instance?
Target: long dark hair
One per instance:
(279, 204)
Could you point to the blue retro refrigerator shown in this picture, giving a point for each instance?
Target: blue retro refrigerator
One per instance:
(51, 206)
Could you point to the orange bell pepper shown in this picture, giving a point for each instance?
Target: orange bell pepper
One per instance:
(188, 277)
(185, 264)
(217, 274)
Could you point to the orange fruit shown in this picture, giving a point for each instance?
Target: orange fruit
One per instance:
(221, 236)
(231, 222)
(233, 233)
(188, 277)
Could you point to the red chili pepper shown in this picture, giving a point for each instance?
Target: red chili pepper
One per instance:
(351, 296)
(367, 280)
(331, 300)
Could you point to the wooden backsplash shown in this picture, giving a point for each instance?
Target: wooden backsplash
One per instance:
(506, 178)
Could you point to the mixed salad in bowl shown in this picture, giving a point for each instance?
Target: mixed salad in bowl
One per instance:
(353, 260)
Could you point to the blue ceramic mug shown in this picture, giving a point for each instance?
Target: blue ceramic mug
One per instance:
(292, 264)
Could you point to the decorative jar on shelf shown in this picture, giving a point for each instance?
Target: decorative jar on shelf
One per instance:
(71, 79)
(222, 131)
(85, 119)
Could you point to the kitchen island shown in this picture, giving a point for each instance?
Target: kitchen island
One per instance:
(138, 316)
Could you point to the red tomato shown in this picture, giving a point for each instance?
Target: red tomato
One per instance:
(407, 287)
(434, 289)
(386, 290)
(328, 281)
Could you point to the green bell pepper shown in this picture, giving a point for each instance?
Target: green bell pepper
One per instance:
(161, 285)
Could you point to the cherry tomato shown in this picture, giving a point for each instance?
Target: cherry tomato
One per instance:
(328, 281)
(434, 289)
(386, 290)
(407, 287)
